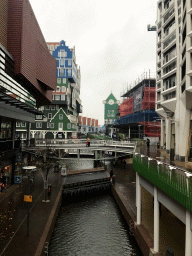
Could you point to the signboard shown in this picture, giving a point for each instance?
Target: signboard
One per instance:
(28, 198)
(17, 179)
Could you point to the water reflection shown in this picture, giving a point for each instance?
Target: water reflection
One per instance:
(92, 226)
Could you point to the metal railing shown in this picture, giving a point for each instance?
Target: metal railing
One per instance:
(54, 142)
(173, 180)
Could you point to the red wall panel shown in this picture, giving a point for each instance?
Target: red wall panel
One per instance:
(33, 62)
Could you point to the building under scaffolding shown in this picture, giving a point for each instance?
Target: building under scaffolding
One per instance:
(137, 116)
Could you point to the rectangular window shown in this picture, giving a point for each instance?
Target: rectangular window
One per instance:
(61, 72)
(64, 80)
(58, 80)
(73, 126)
(62, 61)
(69, 72)
(60, 125)
(52, 107)
(39, 125)
(51, 125)
(57, 97)
(62, 97)
(23, 124)
(58, 89)
(69, 62)
(49, 115)
(57, 107)
(69, 126)
(17, 124)
(63, 89)
(48, 124)
(39, 117)
(63, 54)
(47, 107)
(60, 116)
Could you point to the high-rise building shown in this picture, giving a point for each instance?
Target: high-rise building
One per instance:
(174, 76)
(61, 117)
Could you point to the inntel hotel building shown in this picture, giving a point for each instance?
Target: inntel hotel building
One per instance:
(174, 76)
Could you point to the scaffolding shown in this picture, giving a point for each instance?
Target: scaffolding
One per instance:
(139, 107)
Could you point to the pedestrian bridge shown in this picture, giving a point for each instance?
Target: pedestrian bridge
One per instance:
(78, 147)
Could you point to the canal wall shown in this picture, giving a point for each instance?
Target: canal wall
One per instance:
(141, 234)
(46, 237)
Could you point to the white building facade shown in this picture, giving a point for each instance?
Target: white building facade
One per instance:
(174, 76)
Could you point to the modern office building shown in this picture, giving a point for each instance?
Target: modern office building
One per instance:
(27, 79)
(60, 119)
(174, 76)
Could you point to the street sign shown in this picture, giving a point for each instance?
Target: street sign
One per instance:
(17, 179)
(28, 198)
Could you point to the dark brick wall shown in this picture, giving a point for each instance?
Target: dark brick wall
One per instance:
(33, 62)
(3, 22)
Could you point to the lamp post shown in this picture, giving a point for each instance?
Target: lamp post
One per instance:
(139, 130)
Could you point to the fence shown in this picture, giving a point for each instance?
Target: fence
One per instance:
(172, 180)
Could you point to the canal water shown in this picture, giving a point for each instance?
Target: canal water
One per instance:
(92, 226)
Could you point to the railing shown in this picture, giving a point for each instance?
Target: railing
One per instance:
(55, 142)
(172, 180)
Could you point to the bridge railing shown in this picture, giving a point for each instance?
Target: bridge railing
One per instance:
(51, 142)
(174, 181)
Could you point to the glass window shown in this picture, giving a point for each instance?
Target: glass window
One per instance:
(39, 117)
(58, 80)
(57, 107)
(69, 126)
(39, 125)
(69, 72)
(60, 125)
(64, 80)
(61, 72)
(52, 107)
(62, 61)
(58, 89)
(48, 124)
(49, 115)
(47, 107)
(51, 47)
(57, 97)
(60, 116)
(23, 124)
(17, 124)
(63, 97)
(51, 125)
(69, 62)
(63, 89)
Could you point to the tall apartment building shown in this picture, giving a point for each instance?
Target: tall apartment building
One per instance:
(27, 79)
(60, 119)
(174, 75)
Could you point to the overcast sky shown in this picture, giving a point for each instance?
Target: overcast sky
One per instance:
(112, 44)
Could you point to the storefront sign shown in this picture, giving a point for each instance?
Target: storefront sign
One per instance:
(28, 198)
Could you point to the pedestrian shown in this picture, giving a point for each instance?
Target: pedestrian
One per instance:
(124, 164)
(148, 143)
(111, 173)
(88, 140)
